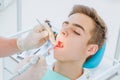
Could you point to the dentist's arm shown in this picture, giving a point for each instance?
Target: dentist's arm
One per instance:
(8, 46)
(37, 37)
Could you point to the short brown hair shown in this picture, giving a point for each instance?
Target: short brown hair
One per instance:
(99, 32)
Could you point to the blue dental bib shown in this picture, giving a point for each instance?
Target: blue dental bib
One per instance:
(51, 75)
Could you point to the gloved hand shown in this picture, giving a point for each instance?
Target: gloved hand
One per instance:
(35, 72)
(37, 37)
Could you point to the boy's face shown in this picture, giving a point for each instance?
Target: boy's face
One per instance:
(74, 35)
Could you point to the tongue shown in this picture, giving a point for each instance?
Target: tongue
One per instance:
(60, 45)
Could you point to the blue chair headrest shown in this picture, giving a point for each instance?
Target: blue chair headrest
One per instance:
(95, 59)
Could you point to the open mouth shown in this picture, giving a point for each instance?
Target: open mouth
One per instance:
(59, 44)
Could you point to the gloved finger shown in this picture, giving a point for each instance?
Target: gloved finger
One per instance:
(43, 40)
(43, 34)
(51, 35)
(38, 28)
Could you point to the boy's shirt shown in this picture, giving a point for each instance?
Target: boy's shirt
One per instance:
(51, 75)
(85, 75)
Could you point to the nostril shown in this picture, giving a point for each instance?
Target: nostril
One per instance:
(63, 33)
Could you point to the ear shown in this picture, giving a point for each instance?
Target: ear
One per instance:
(92, 49)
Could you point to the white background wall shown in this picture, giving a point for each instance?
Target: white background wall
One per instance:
(8, 19)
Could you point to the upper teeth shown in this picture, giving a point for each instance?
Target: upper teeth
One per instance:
(60, 44)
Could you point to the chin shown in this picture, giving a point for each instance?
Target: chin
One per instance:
(58, 55)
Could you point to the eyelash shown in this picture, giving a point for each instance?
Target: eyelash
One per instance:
(76, 33)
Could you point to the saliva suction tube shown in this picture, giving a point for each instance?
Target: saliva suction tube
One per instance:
(35, 59)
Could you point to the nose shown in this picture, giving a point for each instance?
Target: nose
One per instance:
(65, 31)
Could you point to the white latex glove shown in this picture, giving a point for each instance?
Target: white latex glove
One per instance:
(35, 72)
(37, 37)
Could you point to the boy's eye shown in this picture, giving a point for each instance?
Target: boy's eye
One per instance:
(76, 33)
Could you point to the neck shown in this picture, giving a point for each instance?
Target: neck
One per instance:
(72, 70)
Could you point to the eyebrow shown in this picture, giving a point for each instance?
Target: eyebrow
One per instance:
(77, 25)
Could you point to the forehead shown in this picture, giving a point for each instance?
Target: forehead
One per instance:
(85, 21)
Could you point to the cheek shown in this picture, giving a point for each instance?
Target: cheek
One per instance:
(69, 53)
(68, 56)
(73, 50)
(76, 49)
